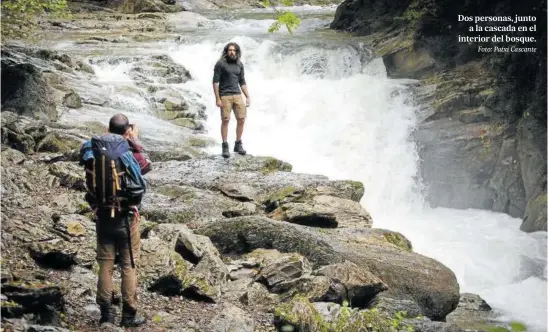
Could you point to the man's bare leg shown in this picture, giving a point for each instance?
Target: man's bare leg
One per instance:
(224, 130)
(240, 129)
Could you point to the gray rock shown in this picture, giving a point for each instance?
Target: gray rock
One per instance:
(324, 211)
(360, 284)
(40, 328)
(72, 100)
(12, 156)
(286, 268)
(422, 280)
(74, 225)
(232, 318)
(26, 91)
(70, 175)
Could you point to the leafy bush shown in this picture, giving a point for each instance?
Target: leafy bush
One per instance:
(283, 17)
(19, 17)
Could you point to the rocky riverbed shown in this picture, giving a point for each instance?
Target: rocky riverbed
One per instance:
(243, 244)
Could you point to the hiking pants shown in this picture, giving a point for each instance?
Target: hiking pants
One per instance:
(112, 237)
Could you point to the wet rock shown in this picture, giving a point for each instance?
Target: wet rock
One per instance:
(141, 6)
(426, 325)
(72, 100)
(360, 284)
(188, 123)
(419, 279)
(163, 69)
(82, 66)
(232, 318)
(535, 215)
(25, 90)
(472, 313)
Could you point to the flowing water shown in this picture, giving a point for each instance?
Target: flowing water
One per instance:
(322, 103)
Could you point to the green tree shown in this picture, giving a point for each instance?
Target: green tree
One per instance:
(19, 17)
(283, 17)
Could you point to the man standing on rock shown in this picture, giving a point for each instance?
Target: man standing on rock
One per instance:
(228, 78)
(114, 165)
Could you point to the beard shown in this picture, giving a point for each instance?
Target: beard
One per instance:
(231, 58)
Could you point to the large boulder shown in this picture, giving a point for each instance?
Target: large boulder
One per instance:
(25, 91)
(428, 283)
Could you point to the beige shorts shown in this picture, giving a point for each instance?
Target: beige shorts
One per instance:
(236, 103)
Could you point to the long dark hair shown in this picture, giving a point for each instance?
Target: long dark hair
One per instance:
(238, 51)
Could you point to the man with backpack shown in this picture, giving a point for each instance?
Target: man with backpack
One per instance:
(114, 165)
(228, 78)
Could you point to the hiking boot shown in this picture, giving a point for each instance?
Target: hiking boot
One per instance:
(238, 147)
(130, 319)
(108, 315)
(226, 153)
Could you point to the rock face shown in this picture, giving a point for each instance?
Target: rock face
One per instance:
(429, 284)
(25, 91)
(481, 139)
(140, 6)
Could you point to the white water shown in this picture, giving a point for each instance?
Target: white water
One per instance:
(316, 107)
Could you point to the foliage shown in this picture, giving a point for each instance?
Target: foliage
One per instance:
(302, 314)
(283, 17)
(19, 17)
(514, 327)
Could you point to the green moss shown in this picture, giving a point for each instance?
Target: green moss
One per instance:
(301, 313)
(198, 282)
(10, 304)
(280, 194)
(181, 268)
(187, 123)
(95, 127)
(199, 142)
(55, 143)
(398, 240)
(183, 193)
(271, 165)
(487, 92)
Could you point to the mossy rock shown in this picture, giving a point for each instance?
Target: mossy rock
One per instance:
(169, 217)
(280, 194)
(271, 165)
(200, 142)
(95, 128)
(56, 142)
(398, 240)
(186, 194)
(188, 123)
